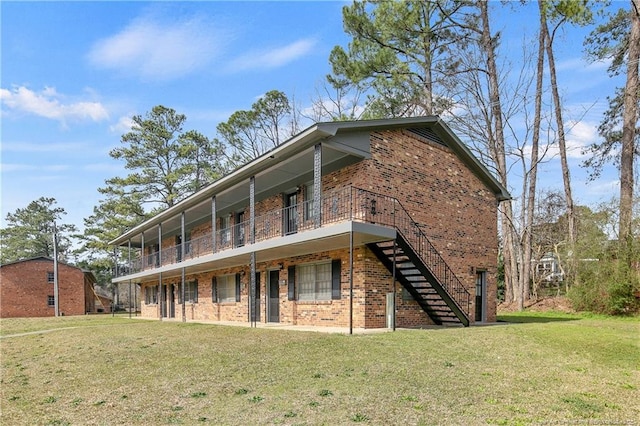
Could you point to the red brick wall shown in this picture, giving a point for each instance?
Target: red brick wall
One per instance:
(454, 208)
(457, 210)
(24, 289)
(371, 282)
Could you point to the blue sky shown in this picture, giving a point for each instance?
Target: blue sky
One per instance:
(74, 73)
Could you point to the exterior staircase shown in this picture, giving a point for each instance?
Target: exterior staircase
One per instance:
(418, 266)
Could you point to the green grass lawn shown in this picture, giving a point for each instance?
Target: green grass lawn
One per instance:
(537, 369)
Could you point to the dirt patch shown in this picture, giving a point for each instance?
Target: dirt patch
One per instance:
(557, 304)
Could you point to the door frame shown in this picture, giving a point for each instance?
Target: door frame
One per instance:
(270, 283)
(480, 314)
(257, 306)
(290, 216)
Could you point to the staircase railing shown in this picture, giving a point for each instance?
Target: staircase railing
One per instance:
(388, 211)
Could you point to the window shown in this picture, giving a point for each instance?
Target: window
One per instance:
(225, 229)
(50, 277)
(187, 247)
(154, 255)
(151, 295)
(314, 281)
(308, 202)
(51, 301)
(406, 295)
(190, 292)
(227, 289)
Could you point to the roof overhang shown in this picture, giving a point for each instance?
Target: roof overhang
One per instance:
(340, 137)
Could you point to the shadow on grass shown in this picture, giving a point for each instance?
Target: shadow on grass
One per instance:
(532, 319)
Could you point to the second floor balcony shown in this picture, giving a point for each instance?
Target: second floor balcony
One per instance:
(292, 223)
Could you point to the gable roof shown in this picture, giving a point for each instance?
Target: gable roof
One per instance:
(320, 132)
(32, 259)
(87, 273)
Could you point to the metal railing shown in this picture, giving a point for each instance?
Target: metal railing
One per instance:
(389, 211)
(346, 203)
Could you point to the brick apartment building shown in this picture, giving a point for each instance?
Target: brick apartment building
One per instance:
(27, 289)
(360, 224)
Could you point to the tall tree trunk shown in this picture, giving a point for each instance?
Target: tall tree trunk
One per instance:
(426, 10)
(562, 144)
(629, 123)
(506, 210)
(533, 171)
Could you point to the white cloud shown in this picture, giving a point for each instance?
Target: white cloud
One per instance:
(579, 135)
(158, 51)
(12, 167)
(31, 147)
(272, 58)
(124, 125)
(581, 65)
(50, 104)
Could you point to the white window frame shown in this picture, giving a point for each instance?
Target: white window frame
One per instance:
(309, 213)
(191, 291)
(225, 229)
(313, 281)
(151, 295)
(226, 288)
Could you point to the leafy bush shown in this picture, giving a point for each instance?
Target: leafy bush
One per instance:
(607, 286)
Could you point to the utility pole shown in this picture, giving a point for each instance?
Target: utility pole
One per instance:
(56, 301)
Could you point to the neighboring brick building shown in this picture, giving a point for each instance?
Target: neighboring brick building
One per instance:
(27, 289)
(312, 233)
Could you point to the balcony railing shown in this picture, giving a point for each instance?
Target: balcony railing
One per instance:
(348, 203)
(335, 206)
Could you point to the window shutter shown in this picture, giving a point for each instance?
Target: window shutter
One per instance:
(214, 290)
(335, 278)
(179, 293)
(195, 291)
(237, 287)
(292, 283)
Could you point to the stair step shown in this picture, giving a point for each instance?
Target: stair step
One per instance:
(409, 271)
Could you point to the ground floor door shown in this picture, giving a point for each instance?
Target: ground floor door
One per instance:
(163, 301)
(274, 296)
(171, 301)
(255, 313)
(481, 291)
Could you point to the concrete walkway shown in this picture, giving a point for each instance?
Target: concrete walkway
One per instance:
(278, 326)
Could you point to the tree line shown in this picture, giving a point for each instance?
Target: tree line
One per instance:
(421, 58)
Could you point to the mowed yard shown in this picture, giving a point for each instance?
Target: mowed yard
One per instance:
(542, 369)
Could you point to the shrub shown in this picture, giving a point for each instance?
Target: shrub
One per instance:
(606, 287)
